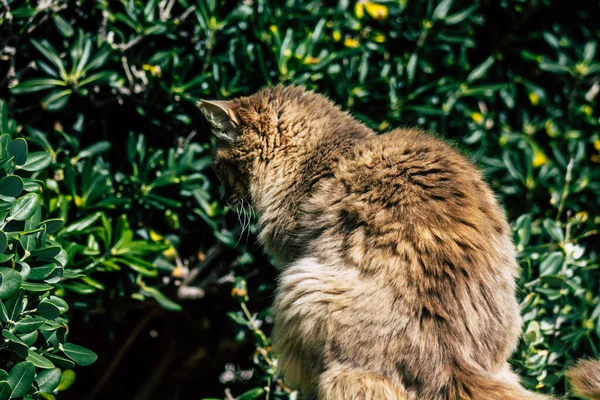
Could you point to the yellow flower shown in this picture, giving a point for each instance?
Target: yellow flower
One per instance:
(551, 128)
(534, 98)
(376, 11)
(154, 69)
(581, 216)
(379, 37)
(539, 158)
(588, 110)
(155, 236)
(170, 253)
(337, 36)
(359, 10)
(588, 324)
(352, 43)
(477, 117)
(597, 145)
(237, 292)
(311, 60)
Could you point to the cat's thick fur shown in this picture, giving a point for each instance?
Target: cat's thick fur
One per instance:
(398, 266)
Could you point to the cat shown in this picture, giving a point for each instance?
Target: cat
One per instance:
(398, 267)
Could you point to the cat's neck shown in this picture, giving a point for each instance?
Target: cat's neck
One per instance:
(291, 178)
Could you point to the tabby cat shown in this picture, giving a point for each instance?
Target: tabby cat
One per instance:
(398, 268)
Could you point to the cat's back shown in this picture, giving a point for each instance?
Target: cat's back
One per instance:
(407, 194)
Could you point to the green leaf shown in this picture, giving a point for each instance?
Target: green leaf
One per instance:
(67, 378)
(59, 303)
(480, 70)
(442, 9)
(20, 378)
(35, 85)
(252, 394)
(35, 287)
(18, 150)
(42, 272)
(48, 310)
(5, 390)
(39, 361)
(48, 380)
(11, 281)
(52, 55)
(82, 224)
(552, 264)
(12, 337)
(46, 252)
(60, 361)
(24, 207)
(80, 355)
(94, 150)
(64, 27)
(11, 186)
(554, 230)
(52, 225)
(56, 100)
(3, 242)
(161, 299)
(36, 161)
(461, 15)
(28, 324)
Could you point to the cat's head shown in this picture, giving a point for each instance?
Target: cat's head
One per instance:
(251, 132)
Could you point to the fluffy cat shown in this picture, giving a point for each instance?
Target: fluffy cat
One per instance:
(398, 268)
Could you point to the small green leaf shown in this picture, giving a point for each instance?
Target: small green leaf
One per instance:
(251, 394)
(48, 310)
(36, 161)
(53, 225)
(35, 85)
(56, 100)
(480, 70)
(11, 280)
(59, 303)
(11, 337)
(39, 361)
(64, 27)
(20, 378)
(39, 273)
(161, 299)
(29, 338)
(18, 150)
(46, 252)
(80, 355)
(552, 263)
(554, 230)
(60, 361)
(3, 242)
(48, 380)
(442, 9)
(5, 390)
(35, 287)
(67, 378)
(11, 186)
(28, 324)
(24, 207)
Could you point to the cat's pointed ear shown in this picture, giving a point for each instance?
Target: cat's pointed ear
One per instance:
(222, 117)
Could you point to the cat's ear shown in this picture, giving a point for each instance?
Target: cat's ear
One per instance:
(222, 117)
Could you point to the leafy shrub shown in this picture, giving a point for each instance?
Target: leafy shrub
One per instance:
(108, 90)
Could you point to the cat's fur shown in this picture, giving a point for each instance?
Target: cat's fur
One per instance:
(398, 266)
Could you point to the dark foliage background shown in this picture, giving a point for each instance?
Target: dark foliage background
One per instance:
(114, 236)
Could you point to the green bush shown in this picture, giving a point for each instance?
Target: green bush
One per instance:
(119, 172)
